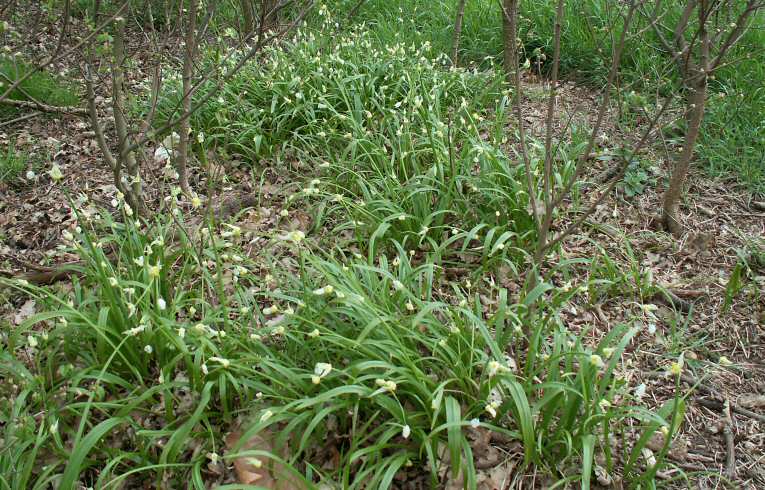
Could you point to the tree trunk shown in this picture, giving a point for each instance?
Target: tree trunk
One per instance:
(248, 17)
(673, 193)
(458, 31)
(509, 34)
(695, 80)
(184, 130)
(131, 183)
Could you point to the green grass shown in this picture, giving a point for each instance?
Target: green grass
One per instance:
(171, 342)
(41, 86)
(12, 164)
(731, 142)
(382, 334)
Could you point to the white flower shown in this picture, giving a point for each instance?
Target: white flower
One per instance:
(324, 290)
(398, 285)
(491, 409)
(154, 270)
(474, 423)
(205, 371)
(32, 341)
(266, 415)
(161, 304)
(196, 202)
(271, 309)
(314, 333)
(148, 349)
(139, 261)
(409, 306)
(223, 362)
(55, 172)
(406, 431)
(67, 235)
(295, 236)
(322, 369)
(181, 332)
(596, 361)
(724, 361)
(387, 385)
(30, 175)
(495, 368)
(113, 281)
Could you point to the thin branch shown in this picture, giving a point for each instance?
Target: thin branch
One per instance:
(58, 56)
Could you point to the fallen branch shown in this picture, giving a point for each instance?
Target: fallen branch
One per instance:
(715, 402)
(718, 405)
(40, 107)
(42, 275)
(19, 119)
(673, 300)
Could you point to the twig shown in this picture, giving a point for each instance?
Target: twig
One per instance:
(730, 444)
(21, 118)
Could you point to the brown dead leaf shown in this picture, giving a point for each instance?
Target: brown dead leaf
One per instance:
(498, 477)
(26, 310)
(263, 473)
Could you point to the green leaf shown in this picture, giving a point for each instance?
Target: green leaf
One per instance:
(81, 450)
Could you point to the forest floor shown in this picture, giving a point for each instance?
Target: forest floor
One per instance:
(719, 328)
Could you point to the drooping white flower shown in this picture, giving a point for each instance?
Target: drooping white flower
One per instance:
(270, 310)
(295, 236)
(387, 385)
(266, 415)
(596, 361)
(154, 270)
(55, 173)
(225, 363)
(328, 289)
(406, 432)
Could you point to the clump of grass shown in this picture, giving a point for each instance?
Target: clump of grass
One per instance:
(169, 334)
(41, 86)
(730, 142)
(401, 141)
(12, 164)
